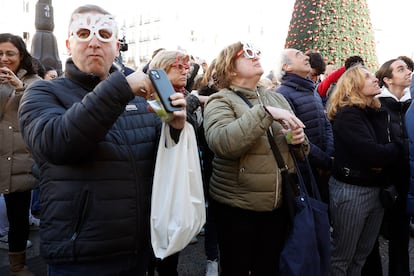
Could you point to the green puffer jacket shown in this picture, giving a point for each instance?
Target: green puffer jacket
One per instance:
(245, 172)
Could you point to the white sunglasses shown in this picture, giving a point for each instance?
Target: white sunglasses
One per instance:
(249, 51)
(85, 26)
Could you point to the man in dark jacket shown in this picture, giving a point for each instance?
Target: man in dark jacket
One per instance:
(300, 92)
(95, 143)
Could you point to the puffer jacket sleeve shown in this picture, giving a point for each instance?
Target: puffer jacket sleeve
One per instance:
(307, 105)
(230, 136)
(322, 159)
(62, 133)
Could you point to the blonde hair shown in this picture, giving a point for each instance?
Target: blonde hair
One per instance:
(164, 59)
(348, 91)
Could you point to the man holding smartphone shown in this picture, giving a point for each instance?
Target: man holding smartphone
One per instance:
(95, 142)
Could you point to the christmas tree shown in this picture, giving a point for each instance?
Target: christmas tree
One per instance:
(337, 29)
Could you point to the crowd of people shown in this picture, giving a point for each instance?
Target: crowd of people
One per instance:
(79, 150)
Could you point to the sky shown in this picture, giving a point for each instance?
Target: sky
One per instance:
(392, 25)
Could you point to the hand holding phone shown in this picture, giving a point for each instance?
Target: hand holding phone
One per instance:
(164, 88)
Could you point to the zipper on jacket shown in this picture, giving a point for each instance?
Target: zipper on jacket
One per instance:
(271, 131)
(388, 127)
(83, 207)
(258, 97)
(278, 173)
(140, 227)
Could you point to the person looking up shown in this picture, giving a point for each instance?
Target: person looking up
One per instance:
(300, 92)
(245, 184)
(394, 78)
(363, 154)
(317, 64)
(326, 87)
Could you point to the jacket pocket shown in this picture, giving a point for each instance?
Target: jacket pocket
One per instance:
(83, 209)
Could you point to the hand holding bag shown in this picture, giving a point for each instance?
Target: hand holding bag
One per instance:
(177, 201)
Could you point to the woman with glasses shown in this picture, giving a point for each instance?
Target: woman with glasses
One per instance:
(176, 65)
(16, 183)
(246, 184)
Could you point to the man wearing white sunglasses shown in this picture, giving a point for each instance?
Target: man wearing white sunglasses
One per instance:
(95, 143)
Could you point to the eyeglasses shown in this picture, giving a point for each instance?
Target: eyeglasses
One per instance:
(8, 54)
(249, 51)
(181, 66)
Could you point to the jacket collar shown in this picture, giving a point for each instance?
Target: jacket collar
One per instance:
(385, 93)
(249, 93)
(87, 81)
(297, 82)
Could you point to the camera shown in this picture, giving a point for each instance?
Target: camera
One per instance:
(155, 74)
(124, 45)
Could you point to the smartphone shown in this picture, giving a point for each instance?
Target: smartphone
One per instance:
(164, 88)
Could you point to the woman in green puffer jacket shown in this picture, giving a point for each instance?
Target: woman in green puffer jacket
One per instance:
(245, 186)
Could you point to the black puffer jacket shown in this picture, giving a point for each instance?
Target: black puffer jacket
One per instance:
(400, 170)
(307, 106)
(95, 144)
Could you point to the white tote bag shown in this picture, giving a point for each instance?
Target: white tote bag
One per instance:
(177, 202)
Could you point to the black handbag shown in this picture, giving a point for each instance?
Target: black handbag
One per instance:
(307, 250)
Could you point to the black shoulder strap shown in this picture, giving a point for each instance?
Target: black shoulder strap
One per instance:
(283, 166)
(279, 159)
(289, 192)
(244, 98)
